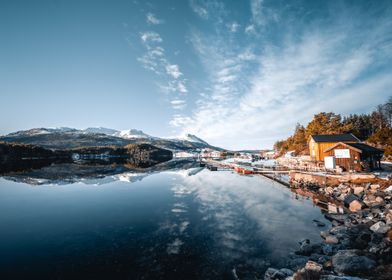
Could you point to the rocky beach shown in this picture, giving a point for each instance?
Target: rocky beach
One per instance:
(357, 246)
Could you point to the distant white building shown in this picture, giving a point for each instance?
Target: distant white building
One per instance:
(209, 153)
(184, 154)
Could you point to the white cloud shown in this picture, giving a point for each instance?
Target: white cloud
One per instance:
(150, 36)
(152, 19)
(173, 70)
(178, 104)
(234, 27)
(180, 120)
(250, 29)
(199, 10)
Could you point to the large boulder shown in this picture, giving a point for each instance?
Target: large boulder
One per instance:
(351, 263)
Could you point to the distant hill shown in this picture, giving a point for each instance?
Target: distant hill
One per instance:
(70, 138)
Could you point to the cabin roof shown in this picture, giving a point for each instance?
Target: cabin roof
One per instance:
(359, 147)
(335, 138)
(365, 148)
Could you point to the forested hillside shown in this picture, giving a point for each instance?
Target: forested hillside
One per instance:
(374, 128)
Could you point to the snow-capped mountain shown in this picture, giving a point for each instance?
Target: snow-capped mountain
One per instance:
(131, 133)
(69, 138)
(40, 131)
(191, 138)
(126, 134)
(100, 130)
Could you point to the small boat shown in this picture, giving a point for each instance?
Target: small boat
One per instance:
(242, 170)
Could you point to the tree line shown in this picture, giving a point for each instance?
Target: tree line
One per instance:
(374, 128)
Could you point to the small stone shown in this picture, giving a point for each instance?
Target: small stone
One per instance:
(369, 200)
(330, 239)
(312, 270)
(269, 273)
(287, 271)
(389, 189)
(328, 190)
(327, 249)
(379, 227)
(389, 235)
(324, 234)
(341, 197)
(374, 188)
(310, 265)
(355, 206)
(388, 219)
(359, 190)
(334, 277)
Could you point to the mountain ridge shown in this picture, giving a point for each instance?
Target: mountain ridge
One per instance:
(70, 138)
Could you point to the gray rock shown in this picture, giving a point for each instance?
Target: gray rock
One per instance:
(275, 274)
(312, 270)
(379, 227)
(269, 273)
(349, 262)
(308, 249)
(318, 223)
(330, 239)
(287, 271)
(389, 189)
(324, 234)
(327, 249)
(334, 277)
(296, 262)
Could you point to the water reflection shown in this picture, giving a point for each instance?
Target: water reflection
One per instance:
(171, 221)
(95, 172)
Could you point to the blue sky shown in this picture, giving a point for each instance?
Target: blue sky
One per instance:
(239, 74)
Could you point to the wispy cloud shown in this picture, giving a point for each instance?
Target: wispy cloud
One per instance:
(255, 95)
(233, 27)
(199, 9)
(152, 19)
(150, 36)
(178, 104)
(173, 70)
(171, 78)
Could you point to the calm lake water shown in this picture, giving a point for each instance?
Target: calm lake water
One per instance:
(176, 224)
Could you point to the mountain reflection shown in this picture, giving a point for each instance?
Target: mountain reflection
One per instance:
(92, 172)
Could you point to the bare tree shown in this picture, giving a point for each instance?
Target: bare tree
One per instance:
(387, 108)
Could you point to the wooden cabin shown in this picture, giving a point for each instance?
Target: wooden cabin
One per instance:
(319, 143)
(355, 156)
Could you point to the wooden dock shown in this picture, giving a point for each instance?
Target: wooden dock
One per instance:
(269, 173)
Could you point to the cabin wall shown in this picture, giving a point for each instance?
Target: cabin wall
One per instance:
(322, 147)
(352, 163)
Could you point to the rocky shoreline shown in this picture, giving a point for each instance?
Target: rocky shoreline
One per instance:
(359, 243)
